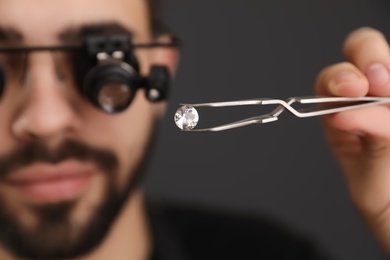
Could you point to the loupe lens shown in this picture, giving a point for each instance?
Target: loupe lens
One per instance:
(114, 95)
(111, 86)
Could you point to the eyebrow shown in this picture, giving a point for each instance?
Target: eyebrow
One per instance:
(10, 35)
(77, 34)
(70, 35)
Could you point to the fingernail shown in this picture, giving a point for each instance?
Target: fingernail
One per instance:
(341, 77)
(378, 74)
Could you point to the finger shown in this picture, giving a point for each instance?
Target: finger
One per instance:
(370, 122)
(342, 79)
(368, 49)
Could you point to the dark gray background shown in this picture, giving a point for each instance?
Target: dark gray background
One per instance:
(239, 49)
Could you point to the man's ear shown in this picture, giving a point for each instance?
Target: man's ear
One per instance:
(168, 57)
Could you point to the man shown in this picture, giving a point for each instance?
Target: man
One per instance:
(63, 180)
(68, 169)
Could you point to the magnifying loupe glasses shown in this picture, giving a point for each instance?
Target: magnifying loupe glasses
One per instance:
(104, 68)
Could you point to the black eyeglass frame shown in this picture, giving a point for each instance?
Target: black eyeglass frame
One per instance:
(174, 43)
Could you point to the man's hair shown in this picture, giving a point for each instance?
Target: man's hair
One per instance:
(157, 25)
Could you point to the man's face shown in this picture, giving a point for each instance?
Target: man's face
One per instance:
(65, 166)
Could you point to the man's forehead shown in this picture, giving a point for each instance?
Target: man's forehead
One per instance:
(47, 21)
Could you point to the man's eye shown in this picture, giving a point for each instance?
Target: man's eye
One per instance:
(13, 64)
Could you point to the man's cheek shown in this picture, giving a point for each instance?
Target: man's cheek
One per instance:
(127, 169)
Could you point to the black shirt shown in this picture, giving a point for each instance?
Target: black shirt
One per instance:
(189, 233)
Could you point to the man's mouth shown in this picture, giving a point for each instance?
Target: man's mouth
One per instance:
(42, 182)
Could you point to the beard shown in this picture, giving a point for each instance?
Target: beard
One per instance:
(55, 236)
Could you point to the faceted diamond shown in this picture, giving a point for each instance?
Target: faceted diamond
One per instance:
(186, 117)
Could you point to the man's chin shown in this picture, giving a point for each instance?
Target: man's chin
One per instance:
(56, 234)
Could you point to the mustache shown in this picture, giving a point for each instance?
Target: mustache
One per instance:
(37, 152)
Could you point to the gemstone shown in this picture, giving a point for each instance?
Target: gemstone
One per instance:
(186, 117)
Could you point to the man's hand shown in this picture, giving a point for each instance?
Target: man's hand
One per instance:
(360, 138)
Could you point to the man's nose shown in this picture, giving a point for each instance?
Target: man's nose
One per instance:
(47, 111)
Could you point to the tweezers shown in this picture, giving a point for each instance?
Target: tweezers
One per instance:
(338, 104)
